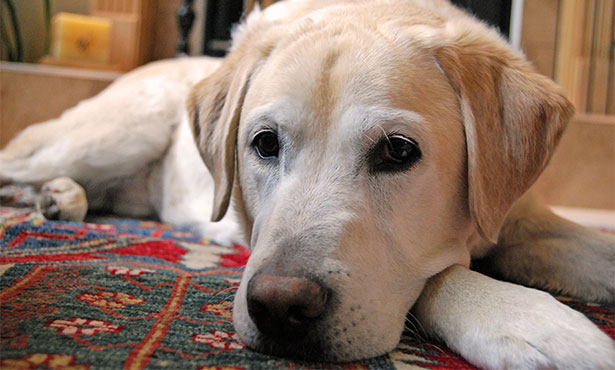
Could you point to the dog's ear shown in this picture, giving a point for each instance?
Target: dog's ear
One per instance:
(215, 103)
(513, 119)
(214, 109)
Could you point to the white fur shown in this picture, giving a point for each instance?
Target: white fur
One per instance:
(331, 91)
(525, 329)
(184, 193)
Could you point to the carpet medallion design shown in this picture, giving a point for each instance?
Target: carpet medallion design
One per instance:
(112, 294)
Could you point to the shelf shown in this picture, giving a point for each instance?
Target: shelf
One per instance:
(33, 93)
(59, 71)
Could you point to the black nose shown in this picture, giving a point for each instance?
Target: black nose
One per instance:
(285, 306)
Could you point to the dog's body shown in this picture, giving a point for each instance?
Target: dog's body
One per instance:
(372, 148)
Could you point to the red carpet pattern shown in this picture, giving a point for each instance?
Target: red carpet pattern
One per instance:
(118, 294)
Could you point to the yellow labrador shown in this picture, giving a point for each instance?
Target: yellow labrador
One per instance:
(372, 149)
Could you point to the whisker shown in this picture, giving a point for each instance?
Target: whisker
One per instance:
(413, 319)
(386, 135)
(415, 331)
(225, 290)
(424, 337)
(369, 138)
(414, 327)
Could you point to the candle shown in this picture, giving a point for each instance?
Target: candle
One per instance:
(80, 38)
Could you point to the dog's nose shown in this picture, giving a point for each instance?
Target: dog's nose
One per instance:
(285, 306)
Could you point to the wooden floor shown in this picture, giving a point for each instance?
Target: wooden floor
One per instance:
(581, 173)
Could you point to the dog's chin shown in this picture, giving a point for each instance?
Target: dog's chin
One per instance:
(311, 349)
(306, 348)
(323, 343)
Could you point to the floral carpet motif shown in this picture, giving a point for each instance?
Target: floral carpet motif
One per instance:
(119, 294)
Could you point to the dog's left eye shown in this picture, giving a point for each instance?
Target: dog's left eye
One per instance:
(394, 153)
(266, 144)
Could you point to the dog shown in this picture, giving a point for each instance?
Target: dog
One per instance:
(372, 150)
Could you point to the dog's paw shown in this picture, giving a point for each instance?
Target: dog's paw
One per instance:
(539, 333)
(62, 199)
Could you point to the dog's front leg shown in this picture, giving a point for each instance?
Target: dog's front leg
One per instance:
(499, 325)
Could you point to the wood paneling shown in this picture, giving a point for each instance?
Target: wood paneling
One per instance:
(569, 39)
(582, 170)
(132, 32)
(539, 33)
(584, 54)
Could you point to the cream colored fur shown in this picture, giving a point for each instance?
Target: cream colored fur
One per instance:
(332, 78)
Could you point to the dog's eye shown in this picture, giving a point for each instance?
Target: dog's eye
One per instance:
(394, 153)
(266, 144)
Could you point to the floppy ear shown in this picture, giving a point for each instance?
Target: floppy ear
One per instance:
(215, 103)
(214, 108)
(513, 120)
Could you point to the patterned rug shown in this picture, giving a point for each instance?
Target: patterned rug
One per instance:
(132, 294)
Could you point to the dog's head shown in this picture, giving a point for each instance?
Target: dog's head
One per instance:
(367, 146)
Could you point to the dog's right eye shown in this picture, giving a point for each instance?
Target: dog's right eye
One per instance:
(266, 144)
